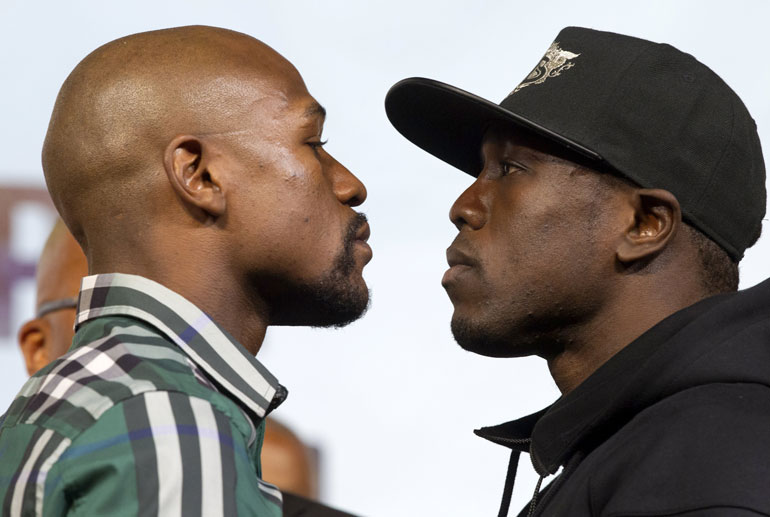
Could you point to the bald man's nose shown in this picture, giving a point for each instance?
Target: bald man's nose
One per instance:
(347, 187)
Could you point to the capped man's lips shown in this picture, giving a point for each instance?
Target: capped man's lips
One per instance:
(457, 257)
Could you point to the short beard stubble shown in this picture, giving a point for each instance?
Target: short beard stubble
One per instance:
(333, 300)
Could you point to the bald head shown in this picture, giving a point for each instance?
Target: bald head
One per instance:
(124, 102)
(59, 271)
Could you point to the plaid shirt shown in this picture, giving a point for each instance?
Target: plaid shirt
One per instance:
(154, 410)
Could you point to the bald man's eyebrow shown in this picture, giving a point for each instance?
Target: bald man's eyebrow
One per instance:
(315, 110)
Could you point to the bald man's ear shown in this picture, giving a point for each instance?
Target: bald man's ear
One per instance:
(33, 341)
(188, 167)
(656, 219)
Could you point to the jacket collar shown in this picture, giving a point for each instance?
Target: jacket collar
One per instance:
(516, 434)
(208, 345)
(682, 351)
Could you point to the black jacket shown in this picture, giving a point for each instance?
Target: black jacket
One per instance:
(676, 423)
(298, 506)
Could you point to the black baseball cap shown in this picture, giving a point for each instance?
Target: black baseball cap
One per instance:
(648, 111)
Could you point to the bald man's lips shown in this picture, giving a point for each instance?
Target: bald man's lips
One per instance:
(363, 232)
(362, 235)
(459, 262)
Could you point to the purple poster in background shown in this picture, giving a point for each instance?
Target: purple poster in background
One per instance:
(26, 216)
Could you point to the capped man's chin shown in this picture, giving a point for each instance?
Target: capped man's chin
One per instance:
(477, 338)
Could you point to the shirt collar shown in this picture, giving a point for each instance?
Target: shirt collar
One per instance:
(215, 351)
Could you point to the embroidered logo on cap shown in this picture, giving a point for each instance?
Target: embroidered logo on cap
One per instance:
(554, 62)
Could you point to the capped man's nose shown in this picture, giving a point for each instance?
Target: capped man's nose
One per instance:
(468, 209)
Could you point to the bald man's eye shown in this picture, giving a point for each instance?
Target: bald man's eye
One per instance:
(316, 146)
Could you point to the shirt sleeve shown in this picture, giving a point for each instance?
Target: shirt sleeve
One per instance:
(160, 453)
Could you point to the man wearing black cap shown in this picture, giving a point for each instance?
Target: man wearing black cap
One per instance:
(617, 188)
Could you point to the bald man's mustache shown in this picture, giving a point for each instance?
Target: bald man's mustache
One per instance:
(346, 261)
(354, 227)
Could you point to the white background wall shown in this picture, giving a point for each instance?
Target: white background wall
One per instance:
(391, 399)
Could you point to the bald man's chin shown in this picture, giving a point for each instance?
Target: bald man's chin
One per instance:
(342, 309)
(339, 297)
(330, 302)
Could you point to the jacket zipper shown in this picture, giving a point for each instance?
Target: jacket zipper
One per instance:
(536, 509)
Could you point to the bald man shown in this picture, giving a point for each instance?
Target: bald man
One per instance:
(189, 165)
(286, 461)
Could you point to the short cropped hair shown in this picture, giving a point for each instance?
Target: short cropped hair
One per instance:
(718, 271)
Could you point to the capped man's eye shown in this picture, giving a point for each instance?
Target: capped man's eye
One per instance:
(510, 167)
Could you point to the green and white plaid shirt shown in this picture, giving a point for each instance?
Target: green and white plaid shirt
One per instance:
(154, 410)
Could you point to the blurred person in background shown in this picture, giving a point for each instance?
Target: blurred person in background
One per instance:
(60, 269)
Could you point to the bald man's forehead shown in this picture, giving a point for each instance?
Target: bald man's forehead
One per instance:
(257, 109)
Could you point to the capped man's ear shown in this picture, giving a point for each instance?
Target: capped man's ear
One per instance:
(188, 165)
(34, 344)
(656, 217)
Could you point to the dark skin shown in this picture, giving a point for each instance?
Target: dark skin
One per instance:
(551, 261)
(202, 151)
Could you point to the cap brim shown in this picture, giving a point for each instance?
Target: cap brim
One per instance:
(449, 123)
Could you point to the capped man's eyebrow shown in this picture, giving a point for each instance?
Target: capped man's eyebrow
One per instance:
(314, 110)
